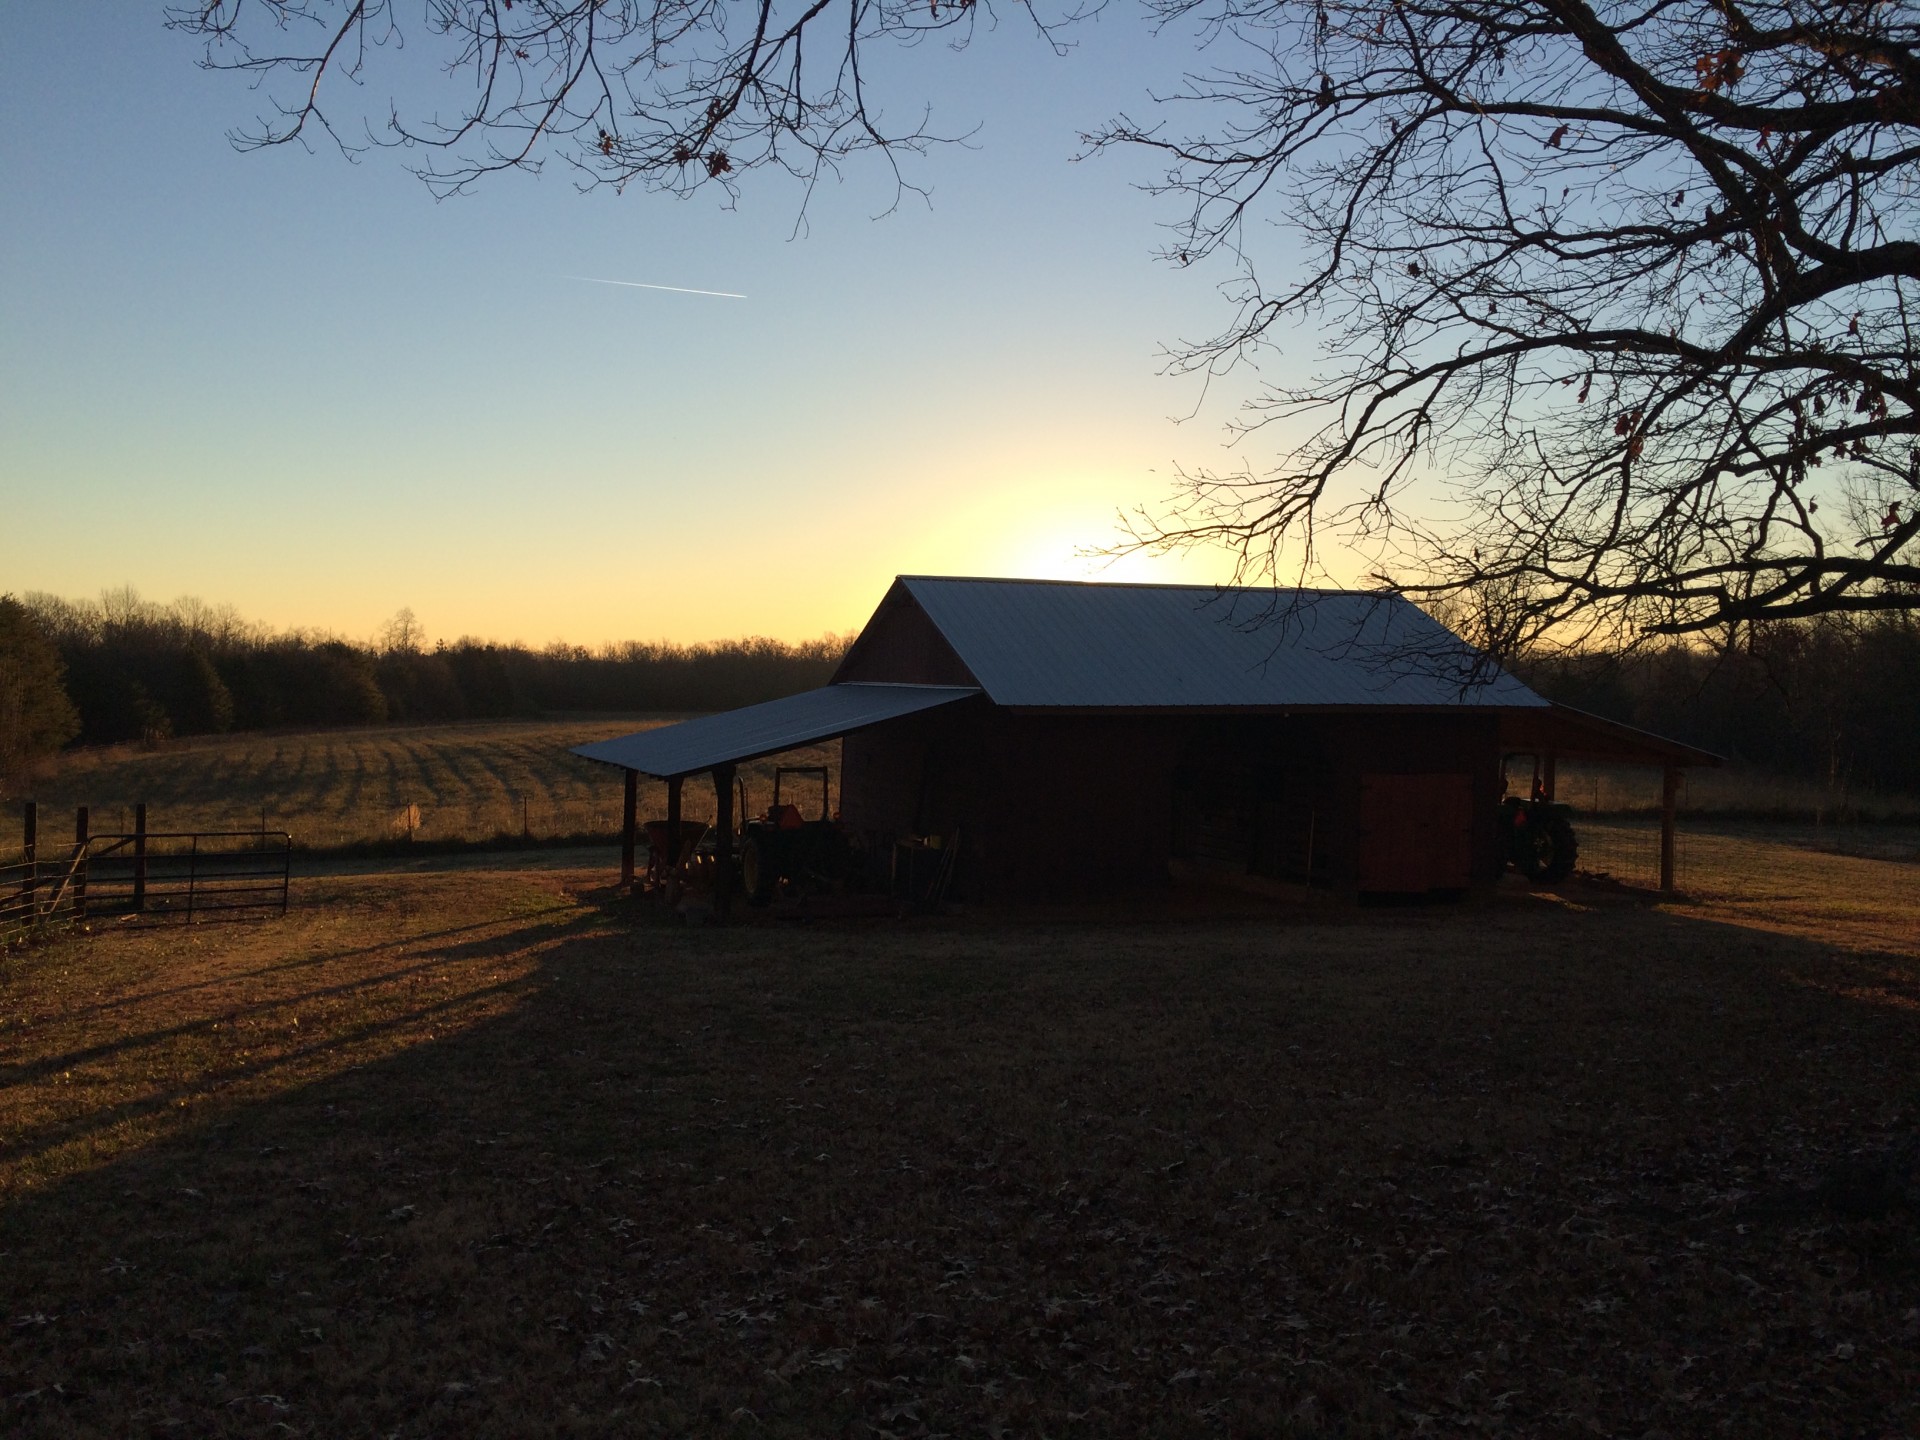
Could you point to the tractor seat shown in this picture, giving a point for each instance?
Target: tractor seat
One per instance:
(786, 817)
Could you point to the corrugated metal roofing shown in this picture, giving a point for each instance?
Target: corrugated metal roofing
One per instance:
(1059, 643)
(767, 729)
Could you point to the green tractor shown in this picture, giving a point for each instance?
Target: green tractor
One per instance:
(781, 846)
(1537, 833)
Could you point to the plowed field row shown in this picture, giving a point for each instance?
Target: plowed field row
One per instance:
(338, 787)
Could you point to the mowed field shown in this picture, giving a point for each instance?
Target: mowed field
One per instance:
(1730, 792)
(486, 1152)
(472, 781)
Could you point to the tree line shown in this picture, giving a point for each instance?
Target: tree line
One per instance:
(134, 670)
(1834, 699)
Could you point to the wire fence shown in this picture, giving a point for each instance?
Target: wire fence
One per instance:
(1626, 851)
(428, 824)
(1616, 822)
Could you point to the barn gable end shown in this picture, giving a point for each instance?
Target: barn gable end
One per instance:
(902, 646)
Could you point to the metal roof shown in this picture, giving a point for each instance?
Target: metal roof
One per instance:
(757, 730)
(1075, 645)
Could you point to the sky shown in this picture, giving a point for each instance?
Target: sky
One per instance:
(304, 387)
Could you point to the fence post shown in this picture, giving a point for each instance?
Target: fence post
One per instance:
(723, 840)
(628, 826)
(673, 841)
(80, 863)
(1669, 790)
(193, 867)
(30, 830)
(286, 871)
(139, 857)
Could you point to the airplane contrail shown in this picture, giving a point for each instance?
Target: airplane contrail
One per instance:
(676, 289)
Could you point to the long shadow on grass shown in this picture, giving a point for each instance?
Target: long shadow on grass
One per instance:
(377, 1024)
(433, 961)
(307, 962)
(1482, 1170)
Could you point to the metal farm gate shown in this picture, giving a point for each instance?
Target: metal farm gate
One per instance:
(156, 875)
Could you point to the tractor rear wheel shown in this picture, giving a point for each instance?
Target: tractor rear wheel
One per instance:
(1549, 850)
(758, 876)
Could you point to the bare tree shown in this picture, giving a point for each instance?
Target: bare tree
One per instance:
(672, 95)
(401, 635)
(1618, 300)
(1615, 298)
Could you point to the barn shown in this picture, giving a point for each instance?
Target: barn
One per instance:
(1019, 739)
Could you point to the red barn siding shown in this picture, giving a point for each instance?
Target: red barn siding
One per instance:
(902, 646)
(1048, 805)
(1042, 805)
(1051, 803)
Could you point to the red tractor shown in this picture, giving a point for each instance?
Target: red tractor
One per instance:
(1537, 833)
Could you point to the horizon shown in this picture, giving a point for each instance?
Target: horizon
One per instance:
(180, 607)
(371, 639)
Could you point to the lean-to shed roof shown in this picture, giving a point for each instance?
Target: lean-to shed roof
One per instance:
(1067, 645)
(756, 730)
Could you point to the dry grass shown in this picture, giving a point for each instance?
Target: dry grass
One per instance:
(1771, 877)
(339, 787)
(473, 1154)
(1772, 873)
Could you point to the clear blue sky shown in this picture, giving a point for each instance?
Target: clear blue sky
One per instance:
(307, 388)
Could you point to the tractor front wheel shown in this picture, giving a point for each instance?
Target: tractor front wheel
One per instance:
(1548, 850)
(758, 876)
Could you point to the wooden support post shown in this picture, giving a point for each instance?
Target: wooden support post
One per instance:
(80, 863)
(673, 840)
(629, 823)
(140, 856)
(1669, 795)
(30, 832)
(1553, 761)
(723, 840)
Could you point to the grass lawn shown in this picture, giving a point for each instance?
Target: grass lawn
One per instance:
(473, 1153)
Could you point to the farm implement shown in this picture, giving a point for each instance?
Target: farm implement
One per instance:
(1536, 833)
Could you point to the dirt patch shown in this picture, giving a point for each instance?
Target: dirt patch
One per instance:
(468, 1154)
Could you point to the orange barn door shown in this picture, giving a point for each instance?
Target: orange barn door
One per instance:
(1416, 833)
